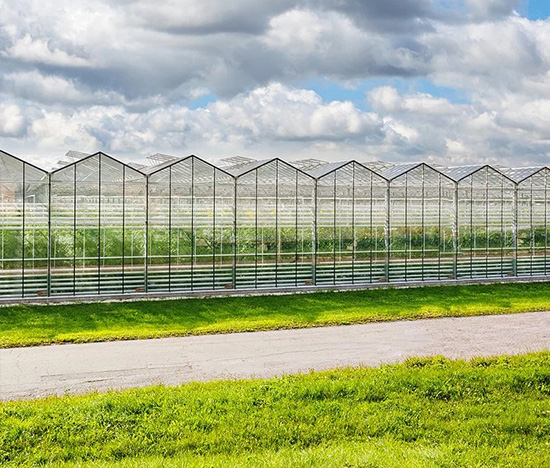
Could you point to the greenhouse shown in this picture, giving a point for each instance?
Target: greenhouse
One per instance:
(99, 226)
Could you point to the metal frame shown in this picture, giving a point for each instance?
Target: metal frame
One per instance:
(98, 226)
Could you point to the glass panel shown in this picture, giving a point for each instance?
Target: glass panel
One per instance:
(248, 209)
(422, 218)
(399, 246)
(532, 228)
(134, 231)
(203, 225)
(111, 226)
(485, 225)
(159, 233)
(325, 263)
(63, 223)
(344, 225)
(88, 243)
(12, 214)
(223, 206)
(36, 232)
(305, 229)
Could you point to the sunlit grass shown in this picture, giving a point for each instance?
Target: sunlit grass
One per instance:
(37, 325)
(490, 412)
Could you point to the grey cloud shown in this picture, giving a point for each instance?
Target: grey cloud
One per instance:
(398, 16)
(491, 9)
(150, 48)
(207, 16)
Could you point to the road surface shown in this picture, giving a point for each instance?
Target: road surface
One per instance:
(80, 368)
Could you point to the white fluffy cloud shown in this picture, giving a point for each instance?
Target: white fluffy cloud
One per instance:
(266, 118)
(123, 77)
(12, 122)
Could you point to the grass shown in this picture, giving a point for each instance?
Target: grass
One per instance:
(490, 412)
(26, 325)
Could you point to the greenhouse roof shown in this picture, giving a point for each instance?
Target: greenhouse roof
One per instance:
(398, 170)
(378, 166)
(163, 165)
(234, 161)
(308, 164)
(237, 166)
(457, 173)
(519, 174)
(240, 169)
(327, 168)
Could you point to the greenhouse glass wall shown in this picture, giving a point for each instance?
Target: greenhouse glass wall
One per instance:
(486, 226)
(421, 223)
(98, 226)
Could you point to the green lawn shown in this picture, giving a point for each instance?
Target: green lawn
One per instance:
(491, 412)
(38, 325)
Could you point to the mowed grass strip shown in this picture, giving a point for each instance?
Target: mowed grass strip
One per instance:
(25, 325)
(490, 412)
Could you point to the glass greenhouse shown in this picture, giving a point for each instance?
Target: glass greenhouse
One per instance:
(97, 226)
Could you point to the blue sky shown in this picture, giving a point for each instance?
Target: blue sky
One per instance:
(332, 91)
(536, 9)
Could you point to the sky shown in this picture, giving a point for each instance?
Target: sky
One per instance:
(443, 81)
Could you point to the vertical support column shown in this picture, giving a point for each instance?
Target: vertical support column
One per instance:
(146, 240)
(515, 231)
(170, 229)
(214, 228)
(74, 232)
(123, 229)
(545, 222)
(314, 235)
(334, 230)
(439, 234)
(423, 221)
(455, 231)
(256, 230)
(407, 233)
(296, 230)
(371, 227)
(387, 224)
(353, 236)
(408, 246)
(99, 227)
(49, 247)
(234, 272)
(277, 233)
(502, 228)
(532, 227)
(24, 194)
(487, 230)
(193, 246)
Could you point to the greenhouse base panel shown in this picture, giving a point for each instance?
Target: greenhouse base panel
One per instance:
(268, 291)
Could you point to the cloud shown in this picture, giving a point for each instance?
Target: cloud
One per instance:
(265, 119)
(12, 122)
(491, 9)
(43, 52)
(133, 78)
(149, 48)
(330, 43)
(206, 16)
(34, 86)
(386, 99)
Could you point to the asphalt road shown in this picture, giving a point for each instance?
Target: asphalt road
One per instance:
(81, 368)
